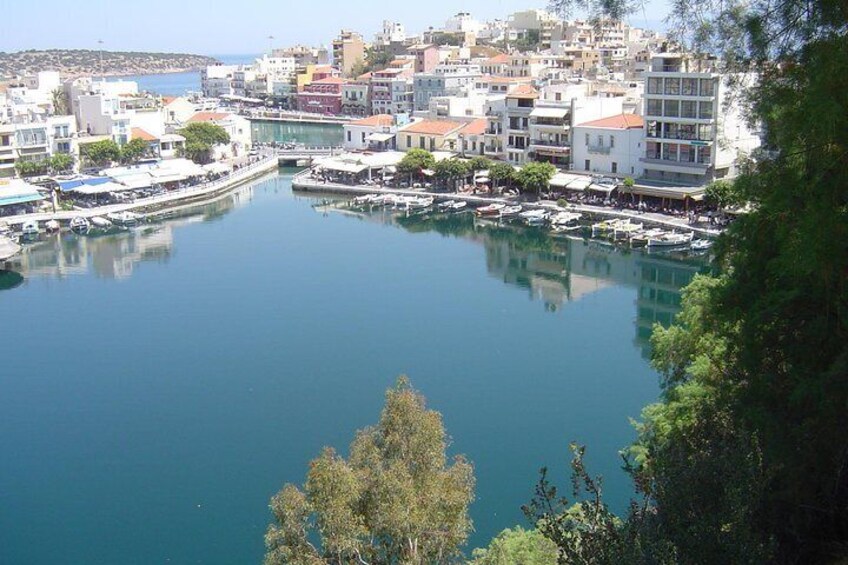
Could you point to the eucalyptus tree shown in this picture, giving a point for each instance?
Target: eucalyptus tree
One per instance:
(396, 499)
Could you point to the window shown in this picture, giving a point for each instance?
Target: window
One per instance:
(688, 109)
(654, 85)
(672, 86)
(600, 140)
(612, 142)
(432, 144)
(707, 87)
(348, 136)
(587, 140)
(672, 108)
(614, 167)
(654, 107)
(409, 141)
(587, 165)
(421, 143)
(363, 137)
(654, 128)
(705, 110)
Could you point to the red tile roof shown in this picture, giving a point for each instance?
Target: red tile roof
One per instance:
(477, 127)
(523, 91)
(139, 133)
(501, 59)
(168, 99)
(330, 80)
(621, 121)
(207, 117)
(375, 120)
(433, 127)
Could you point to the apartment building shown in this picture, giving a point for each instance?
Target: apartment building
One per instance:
(391, 92)
(612, 145)
(356, 97)
(432, 135)
(322, 96)
(690, 137)
(445, 80)
(426, 57)
(348, 50)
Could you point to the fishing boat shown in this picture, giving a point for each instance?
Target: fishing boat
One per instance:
(671, 239)
(365, 199)
(626, 228)
(701, 244)
(491, 210)
(446, 205)
(533, 217)
(565, 221)
(641, 238)
(123, 218)
(418, 202)
(30, 228)
(509, 211)
(458, 206)
(100, 222)
(52, 226)
(80, 225)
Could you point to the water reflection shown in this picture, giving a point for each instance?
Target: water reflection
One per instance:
(310, 134)
(559, 270)
(115, 254)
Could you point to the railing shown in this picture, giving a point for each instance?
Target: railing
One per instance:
(548, 143)
(600, 149)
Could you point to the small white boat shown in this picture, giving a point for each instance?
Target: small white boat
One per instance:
(458, 206)
(30, 228)
(417, 203)
(100, 222)
(626, 228)
(671, 239)
(365, 199)
(510, 211)
(123, 218)
(701, 244)
(491, 210)
(534, 217)
(565, 221)
(80, 225)
(446, 205)
(52, 226)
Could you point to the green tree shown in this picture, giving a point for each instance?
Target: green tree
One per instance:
(201, 137)
(134, 150)
(396, 499)
(101, 153)
(479, 163)
(517, 545)
(61, 162)
(60, 102)
(415, 161)
(722, 194)
(535, 177)
(451, 171)
(31, 168)
(501, 174)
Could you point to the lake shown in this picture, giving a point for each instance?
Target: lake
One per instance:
(179, 84)
(159, 385)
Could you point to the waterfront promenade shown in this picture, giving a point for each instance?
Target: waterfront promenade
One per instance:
(152, 204)
(304, 182)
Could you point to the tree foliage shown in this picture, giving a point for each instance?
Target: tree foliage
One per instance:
(535, 177)
(502, 174)
(134, 150)
(101, 153)
(61, 162)
(415, 161)
(396, 499)
(201, 137)
(450, 171)
(517, 545)
(479, 163)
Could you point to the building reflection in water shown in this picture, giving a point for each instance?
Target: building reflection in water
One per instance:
(115, 254)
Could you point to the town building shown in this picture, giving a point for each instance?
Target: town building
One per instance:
(426, 57)
(348, 50)
(612, 145)
(356, 97)
(690, 137)
(391, 92)
(445, 80)
(322, 96)
(237, 127)
(432, 135)
(375, 133)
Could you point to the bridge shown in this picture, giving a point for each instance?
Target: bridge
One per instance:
(303, 154)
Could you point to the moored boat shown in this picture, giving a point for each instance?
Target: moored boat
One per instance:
(490, 210)
(30, 228)
(446, 205)
(80, 225)
(701, 244)
(671, 239)
(124, 218)
(100, 222)
(458, 206)
(510, 211)
(534, 217)
(565, 221)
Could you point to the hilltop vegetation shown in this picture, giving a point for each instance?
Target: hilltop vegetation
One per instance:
(78, 62)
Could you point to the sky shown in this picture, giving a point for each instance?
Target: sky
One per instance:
(212, 27)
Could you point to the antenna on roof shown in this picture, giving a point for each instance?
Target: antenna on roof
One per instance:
(100, 44)
(270, 45)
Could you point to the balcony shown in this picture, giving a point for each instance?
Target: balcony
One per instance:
(494, 115)
(599, 149)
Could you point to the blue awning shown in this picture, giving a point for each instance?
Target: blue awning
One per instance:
(20, 199)
(91, 181)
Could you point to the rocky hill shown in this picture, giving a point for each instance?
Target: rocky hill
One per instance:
(79, 62)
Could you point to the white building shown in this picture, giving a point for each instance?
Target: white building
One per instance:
(690, 137)
(462, 22)
(237, 127)
(373, 132)
(613, 146)
(217, 80)
(392, 32)
(445, 80)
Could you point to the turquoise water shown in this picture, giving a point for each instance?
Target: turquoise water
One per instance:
(310, 134)
(160, 385)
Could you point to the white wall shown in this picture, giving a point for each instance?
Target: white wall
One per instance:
(625, 151)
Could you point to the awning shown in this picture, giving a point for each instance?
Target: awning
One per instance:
(67, 185)
(217, 168)
(673, 192)
(17, 191)
(605, 188)
(549, 113)
(164, 177)
(579, 184)
(344, 166)
(380, 137)
(141, 180)
(102, 188)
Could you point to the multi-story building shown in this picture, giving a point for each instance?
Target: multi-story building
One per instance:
(348, 50)
(303, 55)
(391, 92)
(356, 97)
(216, 80)
(516, 120)
(613, 145)
(426, 57)
(237, 127)
(374, 132)
(445, 80)
(322, 96)
(689, 136)
(432, 135)
(496, 65)
(392, 32)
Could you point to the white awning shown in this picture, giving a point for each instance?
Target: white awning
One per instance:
(579, 184)
(103, 188)
(380, 137)
(343, 166)
(607, 188)
(674, 192)
(141, 180)
(549, 113)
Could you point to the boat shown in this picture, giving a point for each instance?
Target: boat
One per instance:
(30, 228)
(671, 239)
(52, 226)
(565, 221)
(80, 225)
(701, 244)
(626, 228)
(100, 222)
(533, 217)
(123, 218)
(458, 206)
(446, 205)
(641, 238)
(510, 211)
(365, 199)
(416, 202)
(491, 210)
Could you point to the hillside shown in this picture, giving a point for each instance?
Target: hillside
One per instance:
(78, 62)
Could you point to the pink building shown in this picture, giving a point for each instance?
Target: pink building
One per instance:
(426, 57)
(322, 96)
